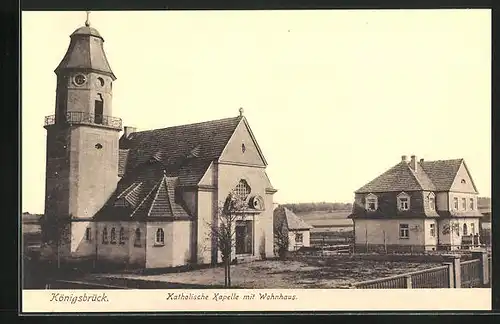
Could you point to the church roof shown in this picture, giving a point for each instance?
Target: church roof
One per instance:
(184, 151)
(149, 196)
(86, 53)
(430, 175)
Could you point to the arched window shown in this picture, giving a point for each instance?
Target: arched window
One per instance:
(98, 109)
(105, 235)
(122, 235)
(465, 229)
(160, 236)
(113, 236)
(137, 240)
(242, 190)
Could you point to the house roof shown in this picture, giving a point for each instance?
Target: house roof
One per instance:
(442, 172)
(185, 151)
(293, 221)
(430, 175)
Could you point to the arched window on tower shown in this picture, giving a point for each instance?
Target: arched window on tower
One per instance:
(98, 109)
(62, 100)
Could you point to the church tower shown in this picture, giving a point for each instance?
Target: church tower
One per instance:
(82, 141)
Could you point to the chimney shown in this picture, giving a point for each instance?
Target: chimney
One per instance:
(404, 158)
(421, 160)
(127, 130)
(413, 163)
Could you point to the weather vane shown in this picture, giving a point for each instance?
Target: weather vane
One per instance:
(87, 22)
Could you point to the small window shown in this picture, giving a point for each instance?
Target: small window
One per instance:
(472, 229)
(105, 236)
(122, 235)
(98, 146)
(464, 204)
(371, 202)
(403, 201)
(463, 181)
(404, 231)
(88, 234)
(243, 148)
(464, 231)
(113, 236)
(433, 230)
(160, 237)
(455, 203)
(137, 240)
(432, 202)
(299, 237)
(471, 203)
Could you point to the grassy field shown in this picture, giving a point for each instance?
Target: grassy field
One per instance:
(303, 273)
(334, 219)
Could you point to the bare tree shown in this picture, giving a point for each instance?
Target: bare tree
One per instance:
(223, 230)
(281, 238)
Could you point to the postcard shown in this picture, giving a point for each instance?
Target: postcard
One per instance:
(299, 160)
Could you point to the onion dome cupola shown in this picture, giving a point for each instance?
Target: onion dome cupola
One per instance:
(86, 53)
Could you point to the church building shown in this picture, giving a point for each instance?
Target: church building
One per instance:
(144, 199)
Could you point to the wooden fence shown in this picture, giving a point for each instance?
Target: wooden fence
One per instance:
(475, 273)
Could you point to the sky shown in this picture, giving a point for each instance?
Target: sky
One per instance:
(334, 98)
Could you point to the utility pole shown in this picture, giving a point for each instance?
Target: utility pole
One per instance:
(366, 238)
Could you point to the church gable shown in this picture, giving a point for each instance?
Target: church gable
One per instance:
(243, 148)
(463, 181)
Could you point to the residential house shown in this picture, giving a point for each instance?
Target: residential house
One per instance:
(296, 230)
(416, 206)
(148, 198)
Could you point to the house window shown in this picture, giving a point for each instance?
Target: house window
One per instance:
(160, 237)
(455, 203)
(242, 190)
(244, 237)
(299, 237)
(137, 240)
(105, 236)
(464, 229)
(433, 230)
(464, 203)
(432, 202)
(88, 234)
(113, 236)
(122, 235)
(471, 203)
(472, 229)
(371, 202)
(404, 231)
(403, 201)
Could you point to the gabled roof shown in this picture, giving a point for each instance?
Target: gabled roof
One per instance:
(148, 195)
(442, 172)
(430, 175)
(185, 151)
(399, 178)
(293, 221)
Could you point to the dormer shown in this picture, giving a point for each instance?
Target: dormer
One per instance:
(371, 202)
(403, 201)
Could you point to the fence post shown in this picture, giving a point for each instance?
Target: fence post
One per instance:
(457, 271)
(451, 279)
(483, 264)
(408, 282)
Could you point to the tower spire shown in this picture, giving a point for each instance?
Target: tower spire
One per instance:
(87, 22)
